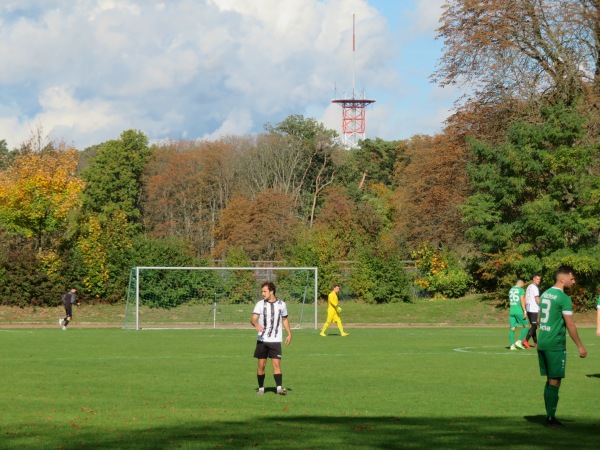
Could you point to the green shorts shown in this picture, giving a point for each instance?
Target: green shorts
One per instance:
(517, 321)
(552, 363)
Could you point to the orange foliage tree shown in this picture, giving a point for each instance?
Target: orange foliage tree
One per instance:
(186, 187)
(431, 187)
(263, 227)
(520, 48)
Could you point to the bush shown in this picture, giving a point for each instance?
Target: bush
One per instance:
(451, 283)
(377, 279)
(23, 278)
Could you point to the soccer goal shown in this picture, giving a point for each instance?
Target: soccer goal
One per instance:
(215, 297)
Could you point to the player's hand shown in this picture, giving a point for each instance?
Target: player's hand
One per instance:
(288, 339)
(598, 332)
(259, 327)
(339, 309)
(582, 352)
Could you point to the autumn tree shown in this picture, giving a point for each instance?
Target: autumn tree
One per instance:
(520, 48)
(431, 185)
(173, 202)
(339, 214)
(37, 193)
(263, 227)
(104, 247)
(186, 186)
(5, 155)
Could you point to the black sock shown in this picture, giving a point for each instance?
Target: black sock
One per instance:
(261, 380)
(278, 379)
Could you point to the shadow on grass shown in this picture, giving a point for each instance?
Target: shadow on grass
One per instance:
(593, 375)
(315, 432)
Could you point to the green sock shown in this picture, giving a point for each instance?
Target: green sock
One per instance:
(523, 334)
(512, 337)
(551, 399)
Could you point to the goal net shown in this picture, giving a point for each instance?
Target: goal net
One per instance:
(215, 297)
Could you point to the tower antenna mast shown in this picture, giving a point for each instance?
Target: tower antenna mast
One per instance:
(354, 118)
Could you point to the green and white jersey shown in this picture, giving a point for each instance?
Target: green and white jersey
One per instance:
(552, 331)
(514, 297)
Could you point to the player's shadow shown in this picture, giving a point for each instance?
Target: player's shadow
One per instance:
(541, 419)
(593, 375)
(313, 431)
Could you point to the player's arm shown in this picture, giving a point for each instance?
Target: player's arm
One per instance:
(572, 329)
(254, 322)
(598, 322)
(286, 325)
(524, 306)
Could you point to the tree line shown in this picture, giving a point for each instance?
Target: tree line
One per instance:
(510, 186)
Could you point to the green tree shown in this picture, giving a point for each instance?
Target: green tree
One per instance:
(534, 197)
(379, 278)
(375, 161)
(114, 177)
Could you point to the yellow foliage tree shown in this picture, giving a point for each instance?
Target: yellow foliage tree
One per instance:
(38, 191)
(94, 257)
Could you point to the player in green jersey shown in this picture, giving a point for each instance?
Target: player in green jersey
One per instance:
(517, 314)
(556, 317)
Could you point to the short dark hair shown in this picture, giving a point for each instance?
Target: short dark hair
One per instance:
(270, 285)
(536, 275)
(521, 279)
(336, 285)
(565, 270)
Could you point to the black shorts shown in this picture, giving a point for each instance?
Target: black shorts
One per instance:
(266, 350)
(69, 310)
(533, 316)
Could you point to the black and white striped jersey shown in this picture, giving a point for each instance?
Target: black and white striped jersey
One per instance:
(271, 315)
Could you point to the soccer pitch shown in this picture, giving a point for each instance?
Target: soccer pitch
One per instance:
(376, 389)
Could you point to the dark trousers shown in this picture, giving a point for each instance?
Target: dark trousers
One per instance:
(533, 320)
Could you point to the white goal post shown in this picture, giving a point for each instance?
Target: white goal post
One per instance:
(214, 297)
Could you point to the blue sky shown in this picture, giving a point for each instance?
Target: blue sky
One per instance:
(200, 69)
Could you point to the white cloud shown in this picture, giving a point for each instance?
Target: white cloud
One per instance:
(427, 16)
(87, 70)
(238, 122)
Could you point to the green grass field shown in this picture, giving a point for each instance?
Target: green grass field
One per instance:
(471, 310)
(376, 389)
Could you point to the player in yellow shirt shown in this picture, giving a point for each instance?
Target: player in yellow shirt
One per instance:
(333, 312)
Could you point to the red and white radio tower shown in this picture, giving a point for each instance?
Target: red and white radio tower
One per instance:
(354, 117)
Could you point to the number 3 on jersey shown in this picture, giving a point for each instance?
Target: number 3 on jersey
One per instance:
(545, 305)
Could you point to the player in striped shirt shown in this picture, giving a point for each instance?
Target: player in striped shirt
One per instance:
(270, 317)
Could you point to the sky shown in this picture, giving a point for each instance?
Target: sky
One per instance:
(83, 71)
